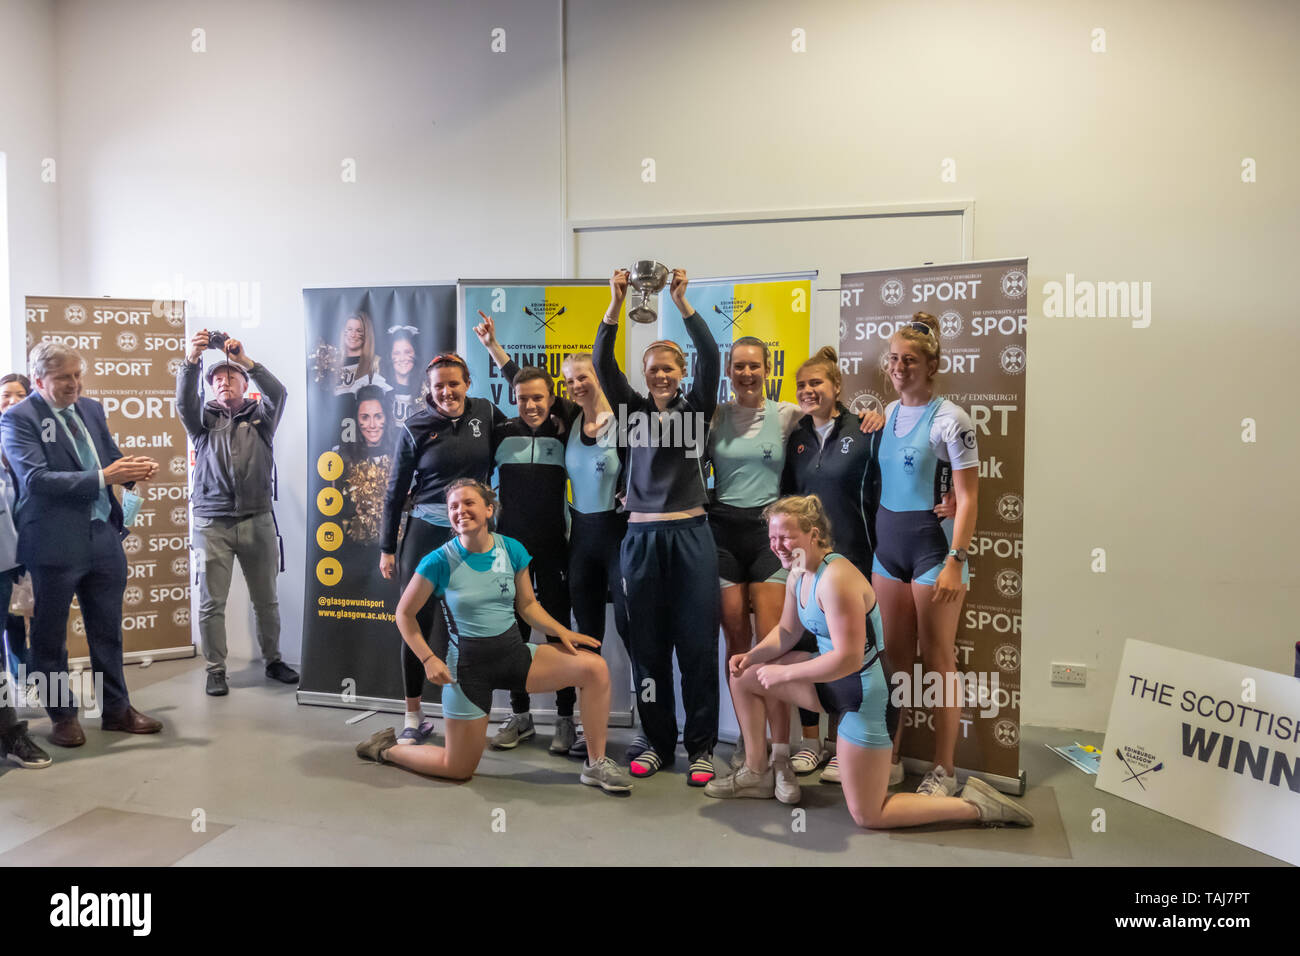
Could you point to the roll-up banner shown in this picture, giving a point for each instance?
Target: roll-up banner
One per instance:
(367, 350)
(774, 308)
(981, 311)
(538, 322)
(133, 349)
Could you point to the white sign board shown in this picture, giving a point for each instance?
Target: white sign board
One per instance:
(1208, 742)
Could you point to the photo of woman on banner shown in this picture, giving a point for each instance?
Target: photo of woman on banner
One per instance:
(366, 447)
(358, 358)
(400, 371)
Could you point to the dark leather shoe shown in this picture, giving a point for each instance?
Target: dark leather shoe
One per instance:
(217, 686)
(67, 732)
(132, 722)
(279, 670)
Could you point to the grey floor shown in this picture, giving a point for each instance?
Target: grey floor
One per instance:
(254, 778)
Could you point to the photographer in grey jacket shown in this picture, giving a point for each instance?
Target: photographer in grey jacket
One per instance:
(232, 438)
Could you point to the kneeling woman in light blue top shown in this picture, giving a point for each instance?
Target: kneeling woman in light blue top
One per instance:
(481, 580)
(831, 598)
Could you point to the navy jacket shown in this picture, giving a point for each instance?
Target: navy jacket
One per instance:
(845, 474)
(56, 497)
(432, 452)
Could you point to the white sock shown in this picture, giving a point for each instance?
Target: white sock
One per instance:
(780, 751)
(413, 719)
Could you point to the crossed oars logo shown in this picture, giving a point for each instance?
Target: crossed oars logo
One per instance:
(1133, 775)
(732, 317)
(542, 321)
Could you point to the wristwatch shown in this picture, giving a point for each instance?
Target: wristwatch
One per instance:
(959, 555)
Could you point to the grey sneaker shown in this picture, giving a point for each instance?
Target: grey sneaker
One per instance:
(579, 748)
(787, 783)
(743, 783)
(607, 775)
(518, 727)
(937, 783)
(378, 744)
(995, 810)
(566, 735)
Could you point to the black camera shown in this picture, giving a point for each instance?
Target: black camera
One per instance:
(218, 340)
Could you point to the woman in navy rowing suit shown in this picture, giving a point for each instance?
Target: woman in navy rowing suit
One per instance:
(828, 596)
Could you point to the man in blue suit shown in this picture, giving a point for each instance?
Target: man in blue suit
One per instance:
(70, 533)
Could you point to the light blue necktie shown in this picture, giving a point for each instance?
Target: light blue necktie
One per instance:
(87, 456)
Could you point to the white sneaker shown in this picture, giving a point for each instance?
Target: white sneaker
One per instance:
(895, 773)
(937, 783)
(787, 783)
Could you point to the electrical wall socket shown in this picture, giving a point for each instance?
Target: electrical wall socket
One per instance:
(1070, 674)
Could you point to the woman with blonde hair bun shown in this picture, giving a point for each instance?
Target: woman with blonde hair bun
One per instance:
(919, 568)
(833, 600)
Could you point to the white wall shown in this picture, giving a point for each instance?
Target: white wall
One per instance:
(28, 136)
(224, 166)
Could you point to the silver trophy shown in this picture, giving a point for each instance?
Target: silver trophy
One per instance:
(647, 278)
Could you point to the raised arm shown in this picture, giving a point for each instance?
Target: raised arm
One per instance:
(612, 380)
(704, 390)
(189, 400)
(273, 391)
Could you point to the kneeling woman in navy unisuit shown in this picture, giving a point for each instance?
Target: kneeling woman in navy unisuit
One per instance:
(833, 599)
(481, 580)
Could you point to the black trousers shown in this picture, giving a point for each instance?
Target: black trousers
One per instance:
(98, 588)
(670, 574)
(595, 575)
(420, 539)
(549, 572)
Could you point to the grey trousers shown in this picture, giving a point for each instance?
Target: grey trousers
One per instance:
(217, 542)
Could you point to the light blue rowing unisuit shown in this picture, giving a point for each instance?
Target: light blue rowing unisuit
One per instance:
(747, 471)
(593, 467)
(862, 697)
(478, 588)
(912, 543)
